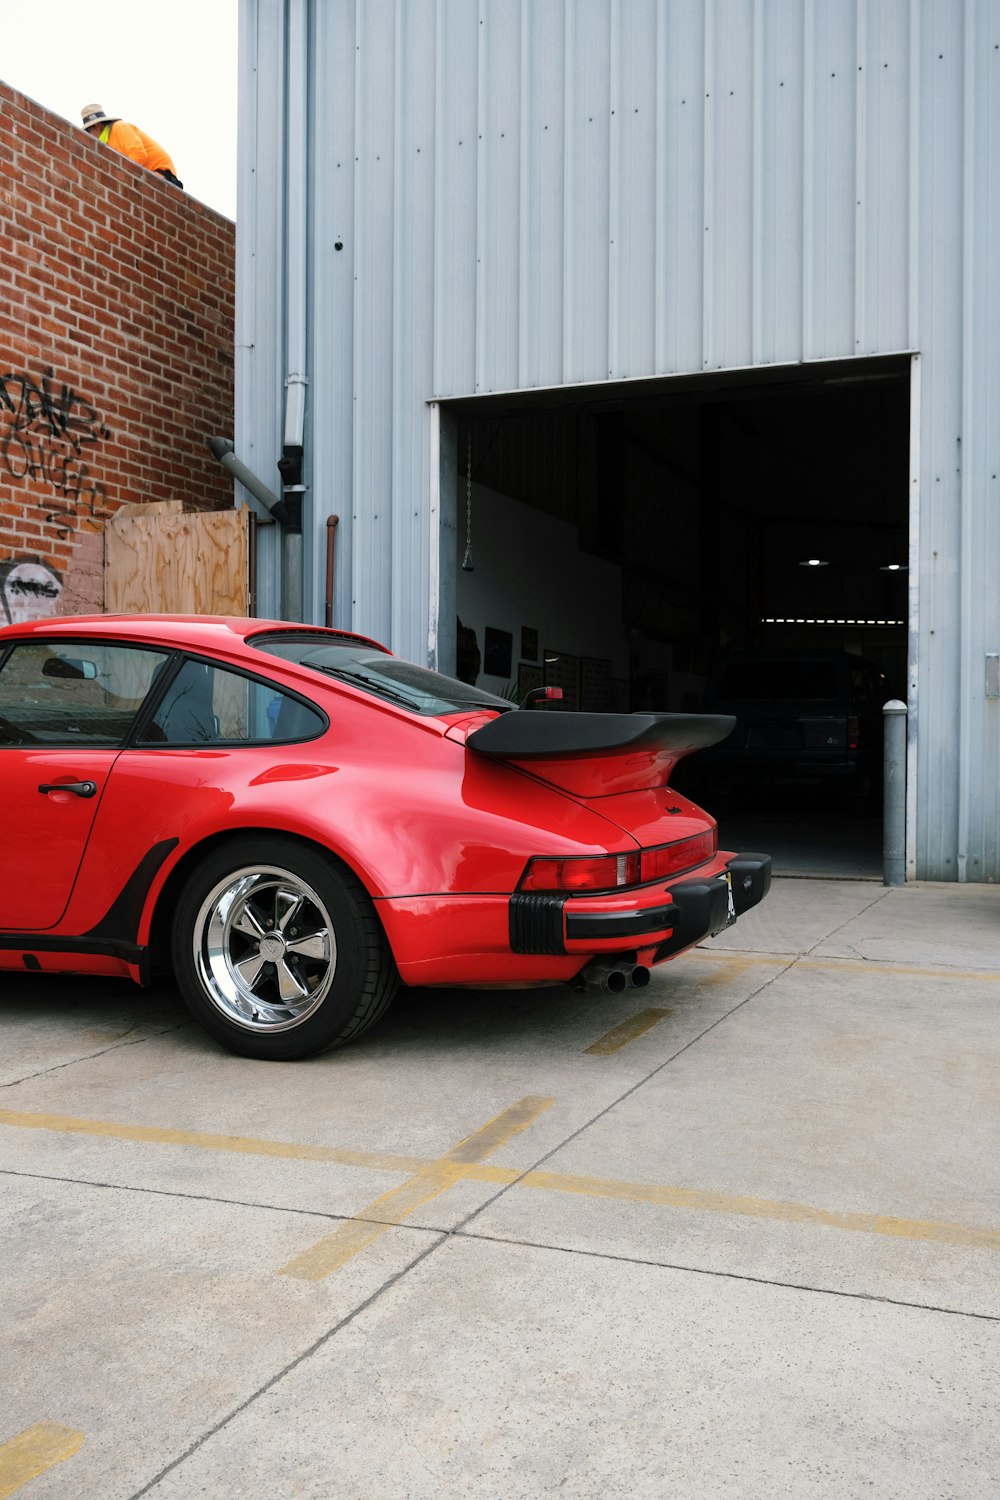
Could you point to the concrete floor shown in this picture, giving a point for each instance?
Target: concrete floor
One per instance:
(737, 1234)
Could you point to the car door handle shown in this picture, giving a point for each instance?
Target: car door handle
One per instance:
(78, 788)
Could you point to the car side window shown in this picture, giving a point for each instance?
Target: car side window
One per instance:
(209, 705)
(78, 693)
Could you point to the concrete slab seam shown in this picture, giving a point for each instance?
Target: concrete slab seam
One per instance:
(354, 1234)
(116, 1046)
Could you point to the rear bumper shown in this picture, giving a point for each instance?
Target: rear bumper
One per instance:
(665, 918)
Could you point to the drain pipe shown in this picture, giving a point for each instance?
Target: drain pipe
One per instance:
(292, 495)
(332, 522)
(295, 309)
(223, 449)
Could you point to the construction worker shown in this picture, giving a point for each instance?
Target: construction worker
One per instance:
(129, 140)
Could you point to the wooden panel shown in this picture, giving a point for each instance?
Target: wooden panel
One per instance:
(159, 559)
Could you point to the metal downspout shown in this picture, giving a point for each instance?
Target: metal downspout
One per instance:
(290, 464)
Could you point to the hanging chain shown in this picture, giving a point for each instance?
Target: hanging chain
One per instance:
(467, 559)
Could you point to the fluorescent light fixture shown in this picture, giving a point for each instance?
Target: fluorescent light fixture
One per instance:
(776, 620)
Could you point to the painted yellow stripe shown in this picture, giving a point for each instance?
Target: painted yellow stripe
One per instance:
(764, 1208)
(873, 967)
(627, 1031)
(430, 1178)
(207, 1141)
(334, 1250)
(33, 1451)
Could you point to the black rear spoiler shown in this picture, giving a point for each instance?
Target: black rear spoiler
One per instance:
(541, 734)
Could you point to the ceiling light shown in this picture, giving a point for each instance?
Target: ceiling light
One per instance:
(814, 562)
(893, 568)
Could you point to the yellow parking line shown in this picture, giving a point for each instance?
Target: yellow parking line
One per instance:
(334, 1250)
(431, 1177)
(33, 1451)
(873, 967)
(619, 1036)
(207, 1141)
(764, 1208)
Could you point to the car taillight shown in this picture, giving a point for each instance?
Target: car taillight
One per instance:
(610, 872)
(853, 733)
(670, 859)
(602, 872)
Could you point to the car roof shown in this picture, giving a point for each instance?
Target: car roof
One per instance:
(190, 632)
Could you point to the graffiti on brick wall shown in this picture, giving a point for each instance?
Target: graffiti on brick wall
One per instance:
(29, 589)
(47, 429)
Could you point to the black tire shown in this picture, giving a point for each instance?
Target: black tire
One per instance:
(277, 950)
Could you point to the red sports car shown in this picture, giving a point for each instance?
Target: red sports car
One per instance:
(296, 820)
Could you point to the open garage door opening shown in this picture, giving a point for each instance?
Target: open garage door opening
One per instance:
(736, 542)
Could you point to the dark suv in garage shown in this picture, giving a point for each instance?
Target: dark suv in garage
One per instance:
(801, 716)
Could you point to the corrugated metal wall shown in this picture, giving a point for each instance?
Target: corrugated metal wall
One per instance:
(543, 192)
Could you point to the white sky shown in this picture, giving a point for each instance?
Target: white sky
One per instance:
(170, 69)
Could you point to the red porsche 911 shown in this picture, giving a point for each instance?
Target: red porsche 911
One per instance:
(296, 821)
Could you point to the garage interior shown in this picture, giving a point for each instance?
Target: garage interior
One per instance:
(764, 508)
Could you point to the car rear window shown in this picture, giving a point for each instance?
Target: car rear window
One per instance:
(781, 680)
(417, 689)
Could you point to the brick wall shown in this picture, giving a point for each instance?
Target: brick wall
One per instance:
(116, 353)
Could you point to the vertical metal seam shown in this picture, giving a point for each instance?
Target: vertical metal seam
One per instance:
(914, 829)
(964, 443)
(615, 188)
(569, 149)
(526, 145)
(757, 269)
(808, 350)
(434, 534)
(707, 190)
(913, 621)
(658, 311)
(860, 330)
(913, 183)
(479, 147)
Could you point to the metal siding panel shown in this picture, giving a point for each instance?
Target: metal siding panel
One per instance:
(882, 289)
(260, 270)
(373, 315)
(541, 209)
(586, 192)
(632, 219)
(331, 405)
(498, 202)
(455, 198)
(979, 786)
(729, 181)
(411, 364)
(941, 64)
(831, 175)
(680, 196)
(777, 182)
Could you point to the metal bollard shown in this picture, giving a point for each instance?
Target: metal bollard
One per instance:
(894, 808)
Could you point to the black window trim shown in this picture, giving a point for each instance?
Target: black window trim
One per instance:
(174, 660)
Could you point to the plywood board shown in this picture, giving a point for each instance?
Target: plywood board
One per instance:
(164, 561)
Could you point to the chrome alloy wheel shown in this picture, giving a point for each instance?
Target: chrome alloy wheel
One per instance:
(264, 948)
